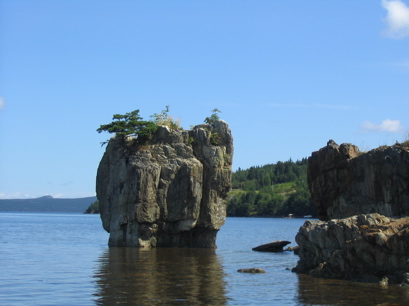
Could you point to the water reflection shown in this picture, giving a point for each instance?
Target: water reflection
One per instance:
(315, 291)
(160, 276)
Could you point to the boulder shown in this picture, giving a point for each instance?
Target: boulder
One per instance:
(251, 270)
(345, 182)
(274, 246)
(170, 190)
(365, 247)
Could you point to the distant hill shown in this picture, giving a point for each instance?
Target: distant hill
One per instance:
(46, 204)
(273, 190)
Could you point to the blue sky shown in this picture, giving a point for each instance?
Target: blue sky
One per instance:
(287, 76)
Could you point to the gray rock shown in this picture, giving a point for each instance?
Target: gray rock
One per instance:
(367, 190)
(345, 182)
(367, 247)
(170, 191)
(251, 270)
(274, 246)
(294, 249)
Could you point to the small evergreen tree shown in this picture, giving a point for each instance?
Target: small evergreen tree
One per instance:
(213, 117)
(214, 136)
(130, 124)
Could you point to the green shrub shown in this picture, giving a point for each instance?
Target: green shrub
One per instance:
(214, 117)
(214, 138)
(164, 119)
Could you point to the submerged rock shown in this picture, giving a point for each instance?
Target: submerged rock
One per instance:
(366, 247)
(251, 270)
(274, 246)
(170, 191)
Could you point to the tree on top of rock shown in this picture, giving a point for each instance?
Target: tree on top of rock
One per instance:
(130, 124)
(214, 117)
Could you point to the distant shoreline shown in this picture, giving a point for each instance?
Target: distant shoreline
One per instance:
(46, 204)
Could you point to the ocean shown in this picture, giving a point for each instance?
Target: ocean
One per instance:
(63, 259)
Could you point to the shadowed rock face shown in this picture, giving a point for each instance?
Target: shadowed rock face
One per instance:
(344, 182)
(171, 191)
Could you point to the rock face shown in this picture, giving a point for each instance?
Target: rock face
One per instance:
(367, 247)
(344, 182)
(170, 191)
(367, 190)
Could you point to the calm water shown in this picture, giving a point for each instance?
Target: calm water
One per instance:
(63, 259)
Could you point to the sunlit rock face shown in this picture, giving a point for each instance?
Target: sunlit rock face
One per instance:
(345, 182)
(356, 195)
(367, 247)
(170, 191)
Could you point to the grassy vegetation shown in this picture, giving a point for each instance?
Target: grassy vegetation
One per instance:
(164, 119)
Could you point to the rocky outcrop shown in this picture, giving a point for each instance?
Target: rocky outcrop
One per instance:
(345, 182)
(366, 247)
(170, 191)
(367, 190)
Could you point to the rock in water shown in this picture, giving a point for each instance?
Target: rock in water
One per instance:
(274, 246)
(367, 247)
(168, 192)
(251, 270)
(366, 189)
(345, 182)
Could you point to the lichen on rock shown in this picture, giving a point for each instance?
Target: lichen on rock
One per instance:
(170, 190)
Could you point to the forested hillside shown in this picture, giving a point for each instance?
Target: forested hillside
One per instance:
(272, 190)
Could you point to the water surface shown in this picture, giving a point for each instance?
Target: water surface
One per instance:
(63, 259)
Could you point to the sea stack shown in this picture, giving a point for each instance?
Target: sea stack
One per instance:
(169, 191)
(345, 182)
(363, 203)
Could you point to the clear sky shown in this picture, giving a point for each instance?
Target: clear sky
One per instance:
(287, 76)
